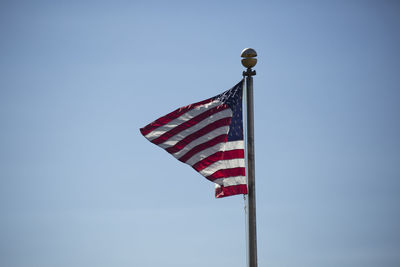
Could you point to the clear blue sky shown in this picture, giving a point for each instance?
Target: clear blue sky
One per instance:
(79, 185)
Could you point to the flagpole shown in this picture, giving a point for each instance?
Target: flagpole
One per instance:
(250, 61)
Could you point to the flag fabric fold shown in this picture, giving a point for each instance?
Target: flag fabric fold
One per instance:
(208, 136)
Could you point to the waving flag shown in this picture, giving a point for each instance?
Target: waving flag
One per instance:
(207, 135)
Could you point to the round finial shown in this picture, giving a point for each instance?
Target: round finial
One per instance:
(248, 55)
(248, 52)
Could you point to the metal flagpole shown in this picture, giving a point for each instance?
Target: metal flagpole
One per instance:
(250, 61)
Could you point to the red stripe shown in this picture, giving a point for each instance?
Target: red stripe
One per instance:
(224, 173)
(181, 127)
(223, 191)
(171, 116)
(220, 155)
(219, 139)
(209, 128)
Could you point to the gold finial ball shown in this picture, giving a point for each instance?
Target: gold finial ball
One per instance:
(248, 55)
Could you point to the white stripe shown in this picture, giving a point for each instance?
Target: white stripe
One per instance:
(237, 180)
(202, 139)
(178, 137)
(232, 145)
(222, 164)
(183, 118)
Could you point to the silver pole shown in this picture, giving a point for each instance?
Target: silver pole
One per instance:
(249, 61)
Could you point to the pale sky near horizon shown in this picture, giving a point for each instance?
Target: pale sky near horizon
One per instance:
(80, 186)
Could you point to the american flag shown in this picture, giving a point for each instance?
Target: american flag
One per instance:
(207, 135)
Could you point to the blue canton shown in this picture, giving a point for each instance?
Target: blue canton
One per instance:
(233, 98)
